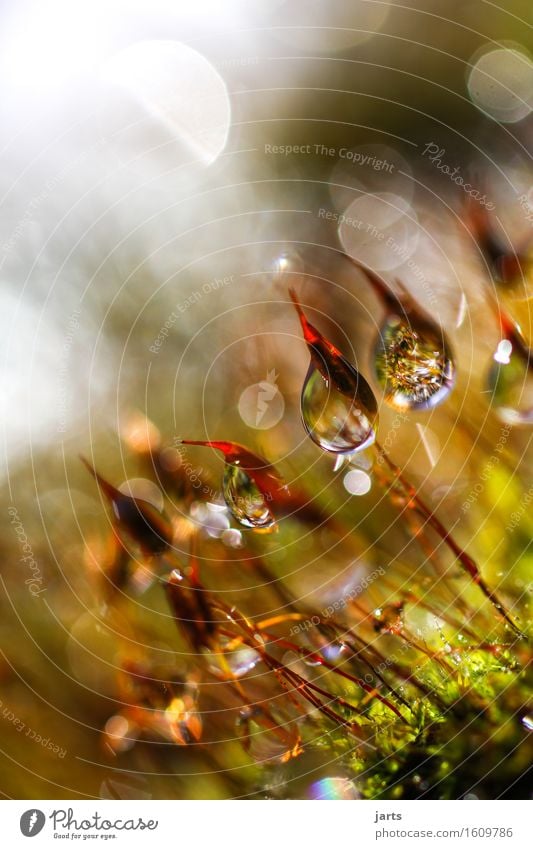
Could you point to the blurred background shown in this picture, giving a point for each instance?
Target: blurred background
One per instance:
(166, 169)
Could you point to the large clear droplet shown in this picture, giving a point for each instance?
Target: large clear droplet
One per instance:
(245, 500)
(413, 364)
(338, 421)
(511, 382)
(339, 409)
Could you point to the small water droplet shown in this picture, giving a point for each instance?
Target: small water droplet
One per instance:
(510, 377)
(339, 410)
(249, 485)
(527, 722)
(412, 357)
(334, 651)
(245, 500)
(286, 266)
(389, 618)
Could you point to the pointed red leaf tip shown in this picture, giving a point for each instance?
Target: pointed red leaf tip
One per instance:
(138, 518)
(312, 336)
(260, 470)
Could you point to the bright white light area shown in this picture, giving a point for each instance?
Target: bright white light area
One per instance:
(178, 87)
(357, 482)
(503, 352)
(45, 45)
(501, 84)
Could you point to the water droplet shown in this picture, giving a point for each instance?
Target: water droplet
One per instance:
(413, 364)
(527, 722)
(339, 409)
(389, 618)
(286, 266)
(334, 651)
(412, 357)
(510, 377)
(245, 499)
(250, 485)
(239, 660)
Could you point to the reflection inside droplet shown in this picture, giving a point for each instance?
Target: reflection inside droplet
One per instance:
(413, 364)
(245, 499)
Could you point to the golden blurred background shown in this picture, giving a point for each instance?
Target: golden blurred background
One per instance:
(167, 170)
